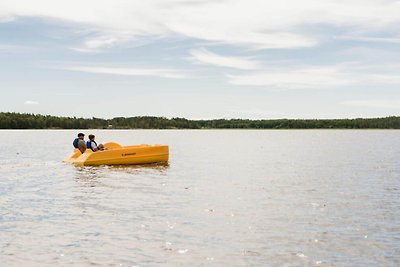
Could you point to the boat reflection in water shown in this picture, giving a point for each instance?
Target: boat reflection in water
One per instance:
(93, 176)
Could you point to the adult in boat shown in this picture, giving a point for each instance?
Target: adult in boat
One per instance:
(79, 143)
(93, 145)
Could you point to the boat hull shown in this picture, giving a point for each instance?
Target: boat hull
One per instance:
(120, 155)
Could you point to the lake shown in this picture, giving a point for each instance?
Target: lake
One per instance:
(226, 198)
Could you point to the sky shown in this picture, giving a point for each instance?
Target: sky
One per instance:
(201, 59)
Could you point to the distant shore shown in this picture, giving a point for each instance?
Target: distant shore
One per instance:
(12, 120)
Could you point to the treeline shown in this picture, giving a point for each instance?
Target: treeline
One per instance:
(10, 120)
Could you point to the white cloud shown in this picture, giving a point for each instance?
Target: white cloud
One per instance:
(163, 73)
(385, 78)
(371, 39)
(206, 57)
(100, 42)
(30, 102)
(254, 23)
(378, 103)
(301, 77)
(318, 77)
(6, 18)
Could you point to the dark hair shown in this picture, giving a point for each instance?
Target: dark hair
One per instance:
(91, 136)
(80, 134)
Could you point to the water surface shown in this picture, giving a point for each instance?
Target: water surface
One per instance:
(227, 198)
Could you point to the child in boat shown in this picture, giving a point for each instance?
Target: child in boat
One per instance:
(93, 145)
(79, 143)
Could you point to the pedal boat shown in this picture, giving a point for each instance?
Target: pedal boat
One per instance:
(115, 154)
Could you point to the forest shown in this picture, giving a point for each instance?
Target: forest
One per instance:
(12, 120)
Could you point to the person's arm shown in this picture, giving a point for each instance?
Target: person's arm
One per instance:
(82, 146)
(94, 147)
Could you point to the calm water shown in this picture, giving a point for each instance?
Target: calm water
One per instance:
(227, 198)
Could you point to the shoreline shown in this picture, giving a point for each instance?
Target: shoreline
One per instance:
(12, 120)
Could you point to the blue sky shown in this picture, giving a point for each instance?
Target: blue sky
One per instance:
(201, 59)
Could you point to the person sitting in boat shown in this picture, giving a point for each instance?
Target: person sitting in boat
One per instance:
(93, 145)
(79, 143)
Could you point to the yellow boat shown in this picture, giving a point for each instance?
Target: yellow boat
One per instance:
(115, 154)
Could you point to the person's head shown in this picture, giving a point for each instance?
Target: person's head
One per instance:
(81, 135)
(91, 137)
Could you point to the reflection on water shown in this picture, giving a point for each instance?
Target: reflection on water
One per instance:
(92, 175)
(228, 198)
(88, 176)
(160, 168)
